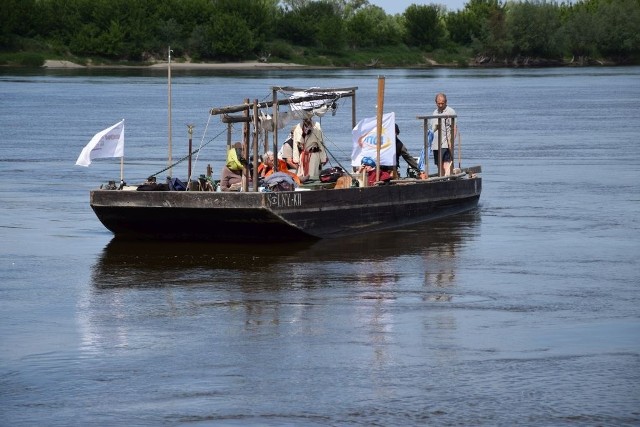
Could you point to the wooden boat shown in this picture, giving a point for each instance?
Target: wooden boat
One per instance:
(314, 211)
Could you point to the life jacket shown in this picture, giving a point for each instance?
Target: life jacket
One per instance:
(235, 161)
(264, 170)
(282, 167)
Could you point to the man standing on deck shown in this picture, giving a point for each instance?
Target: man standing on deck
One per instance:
(308, 149)
(447, 134)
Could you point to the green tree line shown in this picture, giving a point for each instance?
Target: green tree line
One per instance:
(305, 30)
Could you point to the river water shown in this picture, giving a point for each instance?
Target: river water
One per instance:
(523, 312)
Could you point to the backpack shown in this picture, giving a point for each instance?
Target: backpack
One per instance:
(331, 174)
(279, 181)
(175, 184)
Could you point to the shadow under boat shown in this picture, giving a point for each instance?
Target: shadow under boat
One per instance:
(126, 263)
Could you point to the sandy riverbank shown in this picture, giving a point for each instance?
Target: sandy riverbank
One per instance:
(247, 65)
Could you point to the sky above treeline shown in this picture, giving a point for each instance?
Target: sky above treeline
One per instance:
(393, 7)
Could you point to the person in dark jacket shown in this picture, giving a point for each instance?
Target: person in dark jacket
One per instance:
(401, 150)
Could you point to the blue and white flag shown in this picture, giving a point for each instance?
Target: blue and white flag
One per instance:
(422, 158)
(107, 143)
(421, 161)
(364, 137)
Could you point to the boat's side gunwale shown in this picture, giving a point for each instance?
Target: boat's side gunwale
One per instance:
(317, 213)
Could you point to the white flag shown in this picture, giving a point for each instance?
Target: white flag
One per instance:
(108, 143)
(364, 137)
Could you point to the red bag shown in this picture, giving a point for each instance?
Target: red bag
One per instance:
(331, 174)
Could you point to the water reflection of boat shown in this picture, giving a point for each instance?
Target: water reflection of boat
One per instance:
(140, 263)
(143, 295)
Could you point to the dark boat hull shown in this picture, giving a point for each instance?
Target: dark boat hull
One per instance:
(251, 216)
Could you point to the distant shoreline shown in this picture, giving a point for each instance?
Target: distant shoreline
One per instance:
(248, 65)
(257, 65)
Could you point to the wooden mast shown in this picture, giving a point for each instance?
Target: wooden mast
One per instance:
(380, 111)
(275, 113)
(169, 161)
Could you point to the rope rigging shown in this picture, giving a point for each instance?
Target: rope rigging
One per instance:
(196, 151)
(312, 104)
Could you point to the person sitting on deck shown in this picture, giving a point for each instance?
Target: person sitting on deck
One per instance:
(266, 168)
(286, 153)
(368, 165)
(232, 172)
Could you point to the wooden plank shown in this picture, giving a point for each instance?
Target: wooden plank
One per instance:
(319, 94)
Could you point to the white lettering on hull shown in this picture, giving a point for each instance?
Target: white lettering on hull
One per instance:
(284, 200)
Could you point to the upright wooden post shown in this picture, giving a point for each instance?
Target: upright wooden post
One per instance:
(426, 147)
(255, 145)
(121, 172)
(169, 160)
(379, 123)
(274, 114)
(245, 147)
(452, 144)
(353, 110)
(440, 166)
(190, 131)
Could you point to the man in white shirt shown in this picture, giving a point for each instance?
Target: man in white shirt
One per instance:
(447, 135)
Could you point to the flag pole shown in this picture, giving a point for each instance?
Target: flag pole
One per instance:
(122, 160)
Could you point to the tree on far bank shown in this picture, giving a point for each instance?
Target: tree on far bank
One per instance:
(534, 29)
(423, 27)
(370, 27)
(619, 35)
(581, 32)
(230, 37)
(315, 24)
(495, 30)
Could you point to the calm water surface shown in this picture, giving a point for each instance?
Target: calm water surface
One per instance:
(523, 312)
